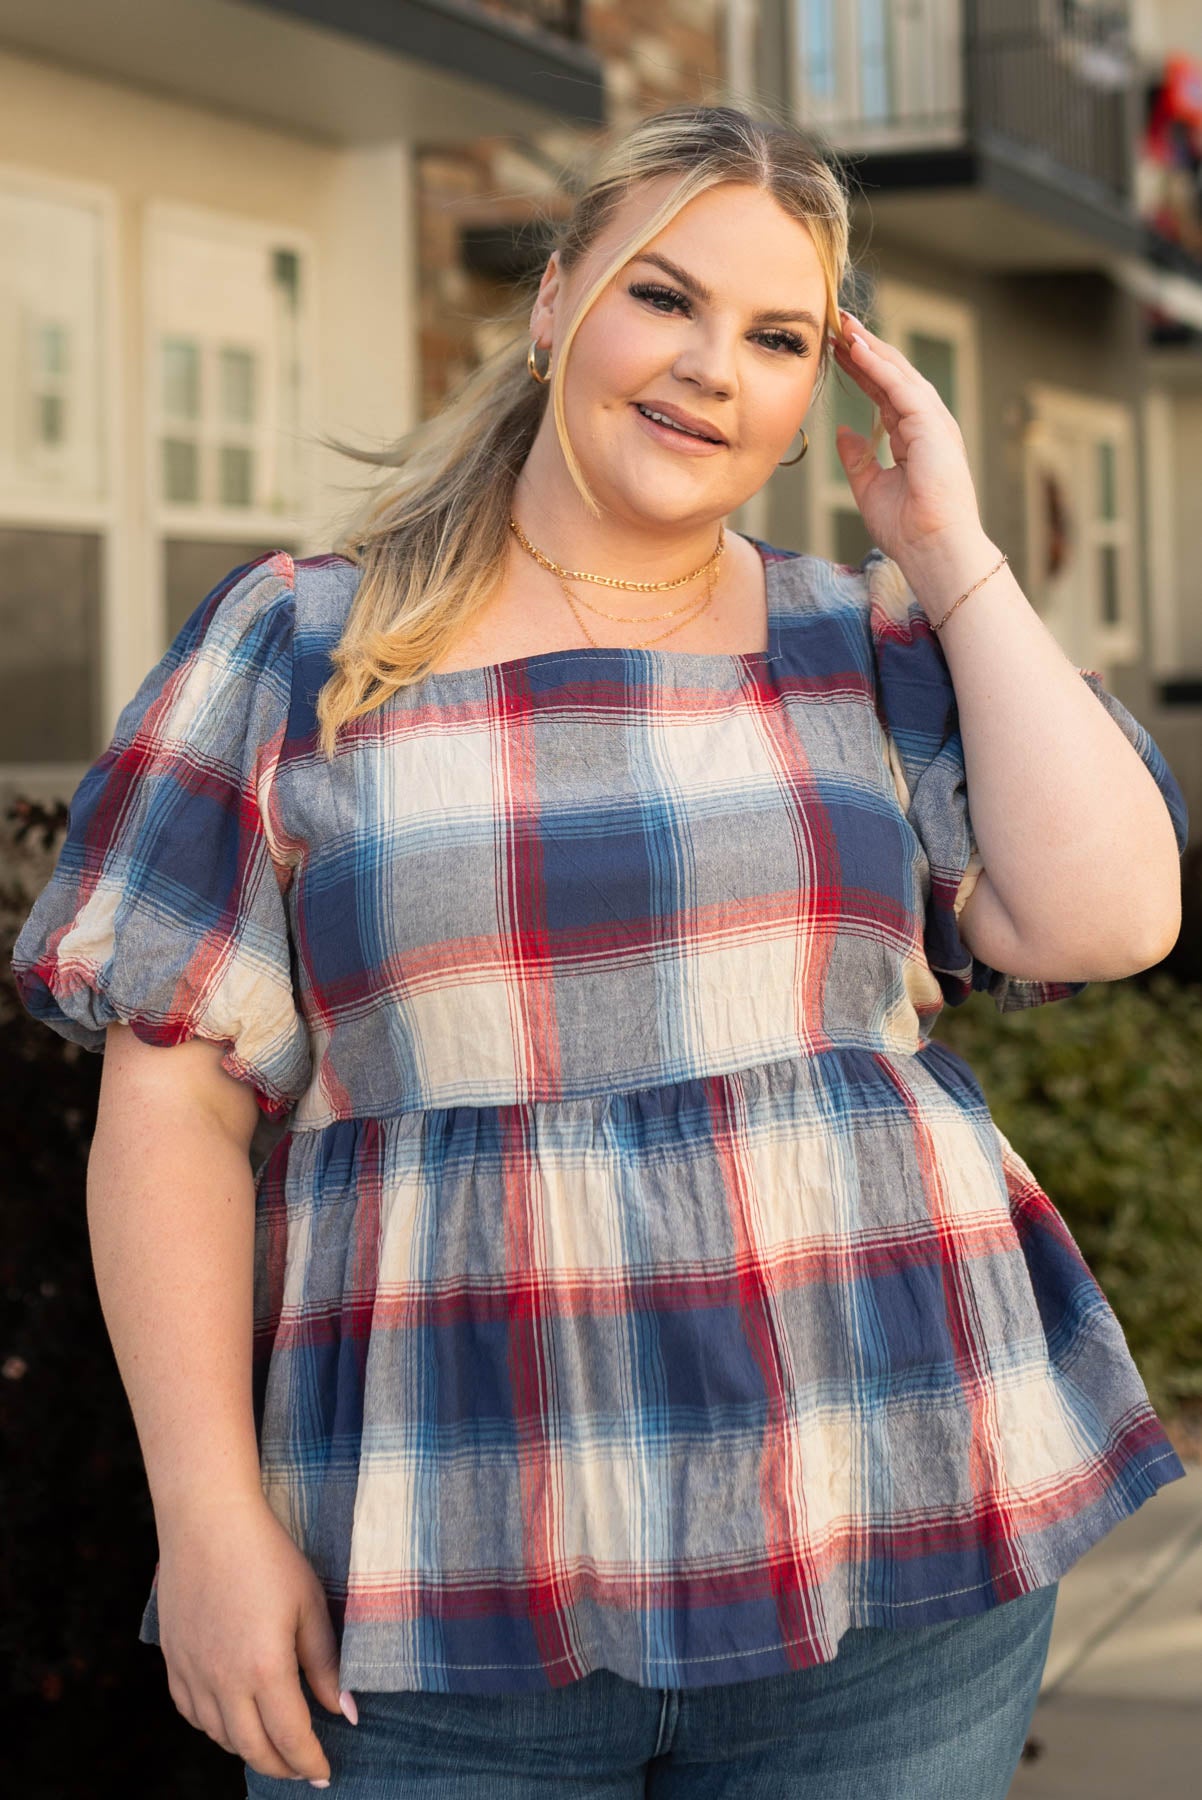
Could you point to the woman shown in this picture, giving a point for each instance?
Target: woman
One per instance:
(664, 1374)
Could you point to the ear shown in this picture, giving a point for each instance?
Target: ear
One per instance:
(542, 313)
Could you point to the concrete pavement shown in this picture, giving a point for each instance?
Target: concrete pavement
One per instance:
(1119, 1715)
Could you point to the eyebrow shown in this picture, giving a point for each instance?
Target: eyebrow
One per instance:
(699, 291)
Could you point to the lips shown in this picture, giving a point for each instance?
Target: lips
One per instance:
(674, 418)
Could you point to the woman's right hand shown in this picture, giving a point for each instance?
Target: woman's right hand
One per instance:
(241, 1611)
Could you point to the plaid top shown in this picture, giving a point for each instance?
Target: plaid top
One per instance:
(637, 1285)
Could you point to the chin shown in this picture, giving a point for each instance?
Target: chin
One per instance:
(679, 512)
(666, 503)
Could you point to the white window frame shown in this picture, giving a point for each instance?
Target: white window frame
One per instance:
(232, 524)
(927, 71)
(1165, 585)
(46, 455)
(103, 515)
(1083, 635)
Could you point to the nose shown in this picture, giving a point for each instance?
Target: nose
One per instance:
(708, 359)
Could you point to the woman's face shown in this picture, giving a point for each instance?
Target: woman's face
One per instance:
(717, 322)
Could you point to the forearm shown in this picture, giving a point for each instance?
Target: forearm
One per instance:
(171, 1219)
(1072, 829)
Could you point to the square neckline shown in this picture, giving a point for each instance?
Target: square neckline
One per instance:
(698, 660)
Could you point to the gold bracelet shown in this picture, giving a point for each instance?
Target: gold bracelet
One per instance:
(972, 590)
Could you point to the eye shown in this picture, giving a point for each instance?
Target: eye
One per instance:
(786, 340)
(664, 299)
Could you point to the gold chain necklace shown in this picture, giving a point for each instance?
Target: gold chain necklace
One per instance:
(637, 618)
(697, 610)
(614, 581)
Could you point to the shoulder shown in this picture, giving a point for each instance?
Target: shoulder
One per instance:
(235, 644)
(233, 651)
(253, 600)
(324, 586)
(276, 595)
(869, 605)
(805, 583)
(872, 605)
(278, 611)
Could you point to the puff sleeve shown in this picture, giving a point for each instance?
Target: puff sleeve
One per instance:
(916, 706)
(166, 907)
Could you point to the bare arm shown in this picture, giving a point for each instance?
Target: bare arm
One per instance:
(1082, 872)
(989, 932)
(171, 1221)
(171, 1214)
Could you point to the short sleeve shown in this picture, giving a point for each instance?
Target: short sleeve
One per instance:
(916, 704)
(166, 906)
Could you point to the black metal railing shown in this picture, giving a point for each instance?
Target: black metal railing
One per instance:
(1055, 79)
(1062, 84)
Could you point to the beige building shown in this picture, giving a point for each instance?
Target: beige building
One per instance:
(232, 226)
(208, 259)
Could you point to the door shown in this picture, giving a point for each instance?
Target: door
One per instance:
(1080, 503)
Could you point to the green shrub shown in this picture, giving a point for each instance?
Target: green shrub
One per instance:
(1102, 1095)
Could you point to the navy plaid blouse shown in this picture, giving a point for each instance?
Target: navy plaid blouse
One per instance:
(637, 1284)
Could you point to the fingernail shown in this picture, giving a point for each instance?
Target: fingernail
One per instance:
(346, 1701)
(319, 1784)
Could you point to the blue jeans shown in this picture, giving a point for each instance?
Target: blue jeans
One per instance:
(932, 1712)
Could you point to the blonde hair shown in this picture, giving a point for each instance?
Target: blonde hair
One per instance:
(432, 541)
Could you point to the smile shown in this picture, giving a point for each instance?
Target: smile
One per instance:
(663, 427)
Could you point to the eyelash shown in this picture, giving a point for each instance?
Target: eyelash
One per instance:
(652, 291)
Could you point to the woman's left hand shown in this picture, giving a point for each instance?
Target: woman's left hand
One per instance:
(927, 498)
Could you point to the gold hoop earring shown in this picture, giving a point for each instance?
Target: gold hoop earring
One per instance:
(790, 460)
(533, 366)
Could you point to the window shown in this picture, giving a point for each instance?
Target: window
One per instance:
(818, 48)
(1079, 459)
(50, 586)
(872, 73)
(180, 376)
(226, 299)
(209, 416)
(1106, 458)
(876, 59)
(51, 320)
(845, 534)
(49, 383)
(55, 505)
(228, 378)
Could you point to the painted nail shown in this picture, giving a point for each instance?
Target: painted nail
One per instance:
(346, 1701)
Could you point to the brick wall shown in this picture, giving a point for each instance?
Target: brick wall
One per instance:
(472, 198)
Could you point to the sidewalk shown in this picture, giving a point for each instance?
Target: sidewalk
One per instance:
(1119, 1715)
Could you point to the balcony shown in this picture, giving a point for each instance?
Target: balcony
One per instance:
(355, 71)
(1016, 121)
(1065, 99)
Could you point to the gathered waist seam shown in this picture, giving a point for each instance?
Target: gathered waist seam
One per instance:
(607, 1097)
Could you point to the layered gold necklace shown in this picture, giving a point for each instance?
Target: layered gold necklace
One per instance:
(693, 609)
